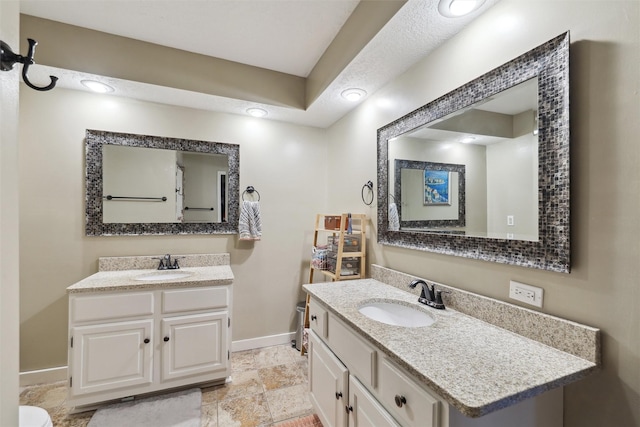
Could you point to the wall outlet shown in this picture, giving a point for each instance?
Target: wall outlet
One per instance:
(526, 293)
(510, 220)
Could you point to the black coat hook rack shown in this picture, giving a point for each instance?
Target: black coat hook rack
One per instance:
(8, 59)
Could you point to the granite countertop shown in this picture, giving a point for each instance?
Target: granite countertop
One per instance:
(473, 365)
(119, 280)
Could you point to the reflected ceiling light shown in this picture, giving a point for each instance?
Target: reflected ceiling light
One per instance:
(456, 8)
(97, 87)
(256, 112)
(353, 94)
(467, 139)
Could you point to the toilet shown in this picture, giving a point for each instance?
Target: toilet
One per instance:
(32, 416)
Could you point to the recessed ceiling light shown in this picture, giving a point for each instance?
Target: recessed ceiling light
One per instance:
(353, 94)
(456, 8)
(467, 139)
(257, 112)
(97, 86)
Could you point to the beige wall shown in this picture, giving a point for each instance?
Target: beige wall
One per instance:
(285, 163)
(603, 288)
(9, 273)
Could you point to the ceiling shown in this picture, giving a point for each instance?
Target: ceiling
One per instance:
(287, 36)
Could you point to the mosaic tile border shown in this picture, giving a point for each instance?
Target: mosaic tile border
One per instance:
(94, 226)
(550, 63)
(451, 167)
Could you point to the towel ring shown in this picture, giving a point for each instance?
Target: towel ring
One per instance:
(368, 185)
(251, 190)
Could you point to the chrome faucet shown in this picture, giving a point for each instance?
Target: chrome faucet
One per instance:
(429, 295)
(165, 263)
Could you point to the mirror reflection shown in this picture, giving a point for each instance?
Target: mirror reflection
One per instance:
(495, 142)
(142, 184)
(163, 186)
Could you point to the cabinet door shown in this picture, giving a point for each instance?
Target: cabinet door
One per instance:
(111, 356)
(328, 384)
(364, 410)
(194, 345)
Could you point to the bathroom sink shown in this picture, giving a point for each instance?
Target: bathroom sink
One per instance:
(396, 314)
(164, 275)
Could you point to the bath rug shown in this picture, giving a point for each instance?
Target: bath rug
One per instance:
(180, 409)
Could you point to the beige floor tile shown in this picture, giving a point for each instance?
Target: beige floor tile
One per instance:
(209, 414)
(272, 356)
(242, 361)
(249, 411)
(47, 396)
(281, 376)
(242, 384)
(289, 402)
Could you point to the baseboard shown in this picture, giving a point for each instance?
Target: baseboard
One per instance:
(43, 376)
(251, 343)
(51, 375)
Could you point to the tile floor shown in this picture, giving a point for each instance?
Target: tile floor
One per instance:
(269, 385)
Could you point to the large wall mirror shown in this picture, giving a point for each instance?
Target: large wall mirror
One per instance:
(139, 184)
(508, 133)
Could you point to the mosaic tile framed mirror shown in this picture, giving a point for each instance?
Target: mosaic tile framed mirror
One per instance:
(145, 185)
(510, 130)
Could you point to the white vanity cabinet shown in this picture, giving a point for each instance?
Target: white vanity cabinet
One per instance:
(125, 343)
(352, 384)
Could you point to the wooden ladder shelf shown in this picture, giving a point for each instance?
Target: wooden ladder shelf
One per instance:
(344, 248)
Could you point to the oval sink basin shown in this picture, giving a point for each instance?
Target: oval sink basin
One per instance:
(164, 275)
(396, 314)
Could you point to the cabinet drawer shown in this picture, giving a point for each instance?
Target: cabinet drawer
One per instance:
(318, 319)
(116, 306)
(408, 402)
(192, 299)
(359, 356)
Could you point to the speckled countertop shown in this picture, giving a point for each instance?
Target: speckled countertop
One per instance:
(473, 365)
(119, 280)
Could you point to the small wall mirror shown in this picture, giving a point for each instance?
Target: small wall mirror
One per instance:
(507, 134)
(138, 184)
(428, 195)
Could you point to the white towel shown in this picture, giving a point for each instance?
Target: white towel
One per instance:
(250, 223)
(394, 220)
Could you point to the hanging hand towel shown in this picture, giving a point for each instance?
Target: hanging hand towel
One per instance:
(394, 220)
(250, 223)
(256, 231)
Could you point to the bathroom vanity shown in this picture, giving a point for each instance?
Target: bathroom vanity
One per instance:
(136, 330)
(460, 371)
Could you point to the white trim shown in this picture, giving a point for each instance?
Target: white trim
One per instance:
(51, 375)
(226, 197)
(43, 376)
(250, 344)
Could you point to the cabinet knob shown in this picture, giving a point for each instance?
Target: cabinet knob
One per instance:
(400, 400)
(147, 340)
(348, 409)
(166, 339)
(314, 317)
(338, 395)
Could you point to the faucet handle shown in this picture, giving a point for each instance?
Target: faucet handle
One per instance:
(175, 261)
(161, 265)
(439, 293)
